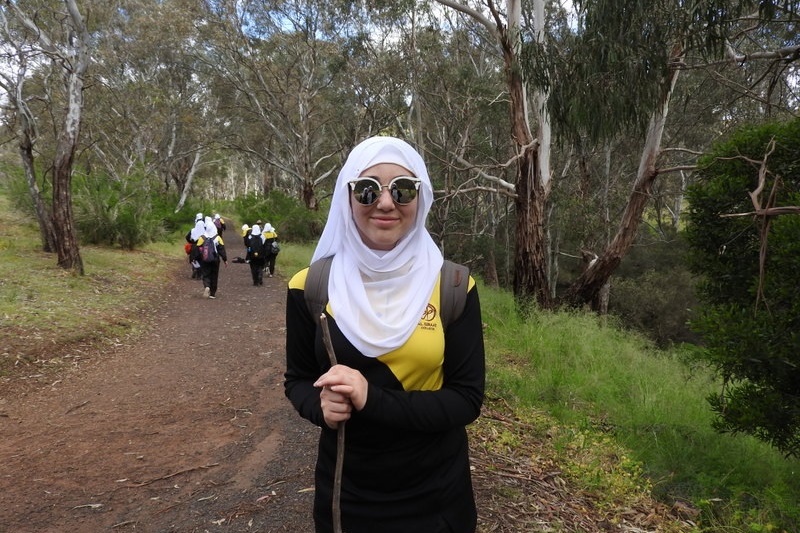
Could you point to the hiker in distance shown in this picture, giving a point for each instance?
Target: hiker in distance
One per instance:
(256, 253)
(405, 386)
(209, 251)
(191, 239)
(272, 247)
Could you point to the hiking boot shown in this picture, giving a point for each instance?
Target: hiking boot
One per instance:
(212, 297)
(207, 292)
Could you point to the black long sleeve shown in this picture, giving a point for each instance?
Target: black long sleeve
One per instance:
(406, 452)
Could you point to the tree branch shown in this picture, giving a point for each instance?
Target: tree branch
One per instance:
(488, 24)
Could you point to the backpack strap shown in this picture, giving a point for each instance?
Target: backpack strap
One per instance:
(453, 289)
(453, 296)
(316, 289)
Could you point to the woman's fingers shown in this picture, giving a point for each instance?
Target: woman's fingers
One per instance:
(347, 381)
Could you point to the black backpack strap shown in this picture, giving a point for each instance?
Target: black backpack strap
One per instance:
(453, 296)
(316, 289)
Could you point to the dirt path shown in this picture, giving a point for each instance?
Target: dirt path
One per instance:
(185, 430)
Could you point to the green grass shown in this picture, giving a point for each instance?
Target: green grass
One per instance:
(596, 379)
(42, 304)
(622, 417)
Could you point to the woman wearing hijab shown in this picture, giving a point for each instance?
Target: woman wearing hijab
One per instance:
(209, 270)
(405, 387)
(270, 236)
(192, 237)
(257, 253)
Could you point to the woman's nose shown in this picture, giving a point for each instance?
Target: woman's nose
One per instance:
(385, 201)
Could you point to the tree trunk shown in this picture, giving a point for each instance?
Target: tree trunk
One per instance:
(533, 155)
(587, 287)
(309, 198)
(491, 269)
(43, 216)
(189, 179)
(531, 281)
(530, 257)
(69, 256)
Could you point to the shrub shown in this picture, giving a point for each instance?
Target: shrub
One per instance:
(751, 321)
(114, 212)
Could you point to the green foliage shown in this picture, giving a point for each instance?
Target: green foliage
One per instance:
(292, 220)
(163, 207)
(653, 290)
(600, 382)
(750, 323)
(114, 212)
(41, 304)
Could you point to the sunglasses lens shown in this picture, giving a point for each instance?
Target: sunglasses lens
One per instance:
(404, 190)
(366, 191)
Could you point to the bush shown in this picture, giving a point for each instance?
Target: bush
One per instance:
(750, 322)
(114, 212)
(653, 290)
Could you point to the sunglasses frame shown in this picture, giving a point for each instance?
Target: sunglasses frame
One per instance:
(416, 181)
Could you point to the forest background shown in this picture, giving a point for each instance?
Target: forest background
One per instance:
(561, 139)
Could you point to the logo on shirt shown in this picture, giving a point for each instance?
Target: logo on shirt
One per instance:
(428, 318)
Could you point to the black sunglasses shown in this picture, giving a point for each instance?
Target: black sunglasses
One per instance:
(367, 189)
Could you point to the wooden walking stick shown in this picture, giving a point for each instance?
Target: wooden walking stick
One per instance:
(337, 477)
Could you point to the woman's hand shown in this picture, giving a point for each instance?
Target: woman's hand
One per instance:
(343, 389)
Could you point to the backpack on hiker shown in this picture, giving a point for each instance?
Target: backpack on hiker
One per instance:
(208, 250)
(275, 248)
(256, 247)
(453, 288)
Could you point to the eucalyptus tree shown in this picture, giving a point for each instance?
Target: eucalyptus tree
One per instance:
(55, 37)
(287, 79)
(464, 131)
(531, 144)
(21, 122)
(151, 114)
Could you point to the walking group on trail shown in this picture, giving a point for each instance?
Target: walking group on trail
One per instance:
(261, 243)
(205, 249)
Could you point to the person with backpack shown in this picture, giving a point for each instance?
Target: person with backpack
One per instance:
(219, 222)
(402, 379)
(272, 247)
(191, 241)
(257, 254)
(209, 251)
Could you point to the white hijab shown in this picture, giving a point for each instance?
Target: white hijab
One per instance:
(198, 230)
(256, 232)
(378, 297)
(211, 229)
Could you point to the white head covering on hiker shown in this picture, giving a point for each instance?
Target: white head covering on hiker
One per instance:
(210, 229)
(379, 309)
(198, 230)
(256, 231)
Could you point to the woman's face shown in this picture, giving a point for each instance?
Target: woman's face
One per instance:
(384, 222)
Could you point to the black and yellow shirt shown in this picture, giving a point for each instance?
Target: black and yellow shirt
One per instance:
(406, 465)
